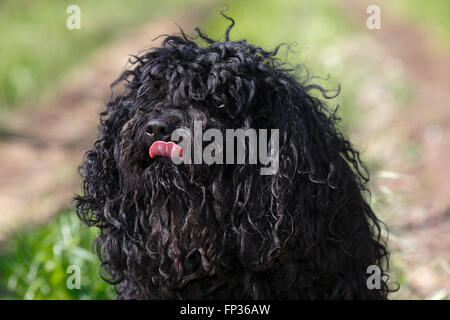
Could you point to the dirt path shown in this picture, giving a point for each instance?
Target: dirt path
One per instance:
(42, 145)
(421, 227)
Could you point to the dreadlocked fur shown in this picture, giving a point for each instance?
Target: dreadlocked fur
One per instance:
(171, 231)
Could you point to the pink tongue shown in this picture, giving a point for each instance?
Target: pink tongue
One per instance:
(165, 149)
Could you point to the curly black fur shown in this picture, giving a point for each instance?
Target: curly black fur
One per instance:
(224, 231)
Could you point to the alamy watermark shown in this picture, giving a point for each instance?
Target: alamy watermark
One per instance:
(74, 279)
(374, 19)
(74, 19)
(374, 279)
(230, 149)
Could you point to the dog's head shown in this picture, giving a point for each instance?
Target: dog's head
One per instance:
(164, 224)
(230, 85)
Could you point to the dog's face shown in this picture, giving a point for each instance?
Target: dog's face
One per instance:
(220, 87)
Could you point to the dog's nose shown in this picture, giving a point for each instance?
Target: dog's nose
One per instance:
(158, 129)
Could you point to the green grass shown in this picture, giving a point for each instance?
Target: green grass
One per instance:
(37, 48)
(34, 262)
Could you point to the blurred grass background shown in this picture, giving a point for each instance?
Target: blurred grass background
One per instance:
(35, 262)
(433, 17)
(36, 52)
(37, 48)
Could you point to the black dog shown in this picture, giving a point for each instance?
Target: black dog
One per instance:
(195, 231)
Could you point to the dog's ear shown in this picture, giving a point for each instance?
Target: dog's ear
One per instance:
(308, 154)
(99, 170)
(313, 205)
